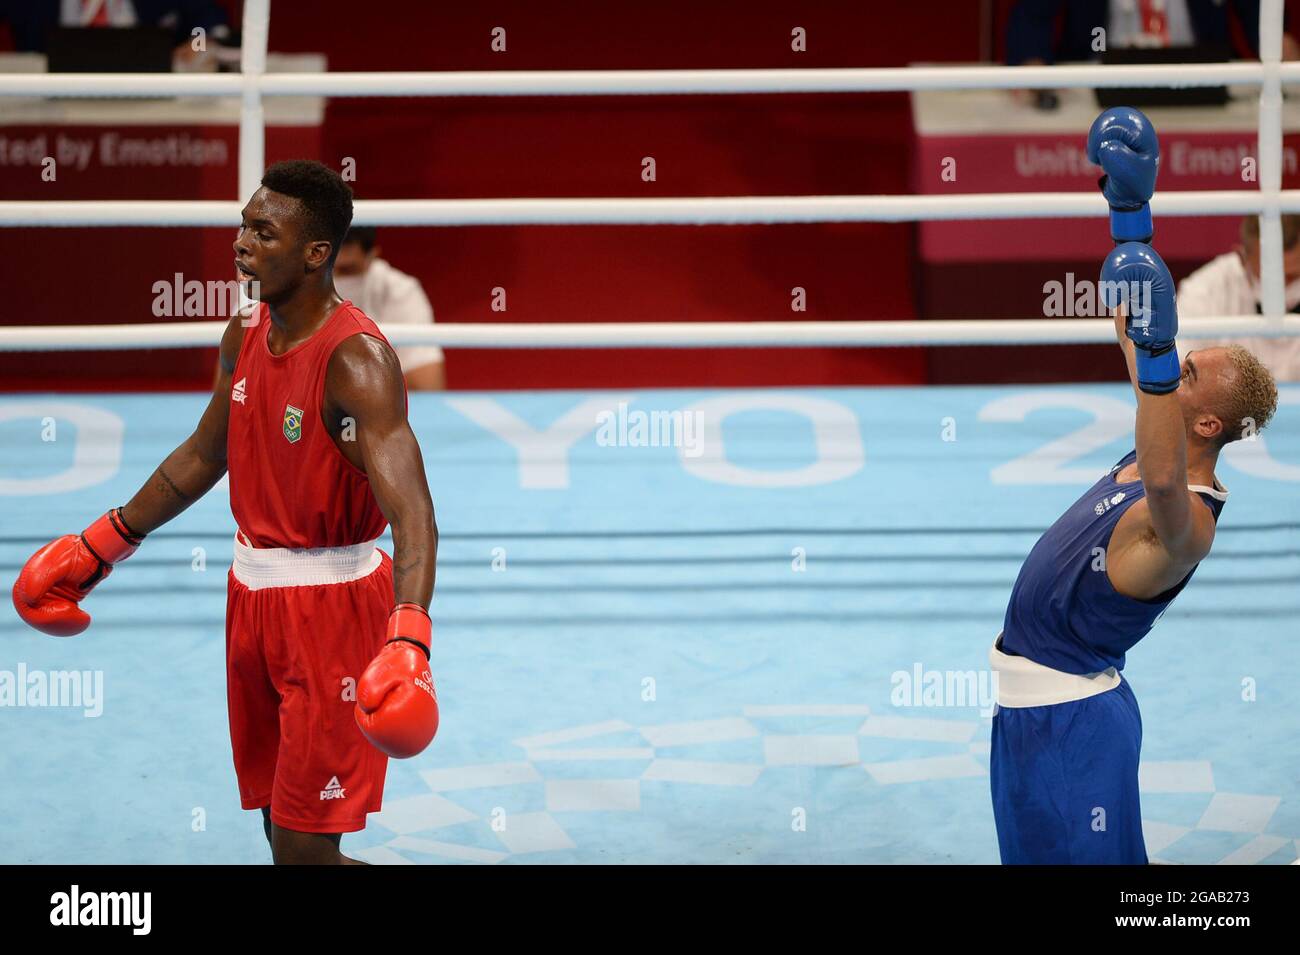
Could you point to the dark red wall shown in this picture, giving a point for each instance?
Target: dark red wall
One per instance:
(577, 146)
(581, 146)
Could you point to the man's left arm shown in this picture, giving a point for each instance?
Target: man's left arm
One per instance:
(364, 384)
(1137, 283)
(1184, 525)
(397, 707)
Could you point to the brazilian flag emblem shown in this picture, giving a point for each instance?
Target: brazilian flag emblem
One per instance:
(292, 423)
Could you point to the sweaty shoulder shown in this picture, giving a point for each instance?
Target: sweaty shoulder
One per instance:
(354, 320)
(362, 362)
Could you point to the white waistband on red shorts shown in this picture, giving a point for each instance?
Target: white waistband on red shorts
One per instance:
(1022, 682)
(258, 568)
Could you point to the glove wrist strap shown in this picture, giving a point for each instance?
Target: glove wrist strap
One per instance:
(410, 623)
(1158, 372)
(110, 539)
(1131, 225)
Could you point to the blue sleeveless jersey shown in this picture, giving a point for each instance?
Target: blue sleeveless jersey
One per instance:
(1065, 614)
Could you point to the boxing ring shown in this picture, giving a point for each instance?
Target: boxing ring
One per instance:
(719, 652)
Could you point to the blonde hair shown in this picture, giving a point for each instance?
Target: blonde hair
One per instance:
(1251, 397)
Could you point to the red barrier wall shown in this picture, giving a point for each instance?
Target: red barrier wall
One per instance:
(552, 147)
(579, 146)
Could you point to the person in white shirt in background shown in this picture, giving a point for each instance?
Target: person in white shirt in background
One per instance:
(390, 297)
(1229, 285)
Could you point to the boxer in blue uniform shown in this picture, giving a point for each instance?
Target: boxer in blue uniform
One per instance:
(1067, 733)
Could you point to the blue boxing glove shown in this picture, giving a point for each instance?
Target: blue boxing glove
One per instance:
(1123, 142)
(1135, 276)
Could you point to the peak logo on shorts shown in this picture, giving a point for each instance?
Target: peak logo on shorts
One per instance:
(292, 423)
(333, 790)
(1106, 503)
(237, 391)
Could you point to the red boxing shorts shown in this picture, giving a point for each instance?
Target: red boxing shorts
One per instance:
(301, 627)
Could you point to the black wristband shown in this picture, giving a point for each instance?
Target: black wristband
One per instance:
(123, 528)
(415, 643)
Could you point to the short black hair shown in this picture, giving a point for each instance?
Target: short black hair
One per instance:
(322, 192)
(362, 234)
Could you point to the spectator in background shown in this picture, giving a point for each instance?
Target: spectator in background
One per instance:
(32, 20)
(1031, 27)
(1229, 285)
(389, 297)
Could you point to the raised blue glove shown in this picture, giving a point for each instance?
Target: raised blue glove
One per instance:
(1123, 142)
(1133, 274)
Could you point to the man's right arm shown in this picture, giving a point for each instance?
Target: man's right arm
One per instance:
(51, 585)
(192, 469)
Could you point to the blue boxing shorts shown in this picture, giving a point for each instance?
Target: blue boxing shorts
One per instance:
(1063, 767)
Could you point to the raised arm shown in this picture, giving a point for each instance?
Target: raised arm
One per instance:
(1136, 282)
(1184, 527)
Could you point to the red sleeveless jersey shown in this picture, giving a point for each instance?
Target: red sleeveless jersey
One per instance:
(290, 485)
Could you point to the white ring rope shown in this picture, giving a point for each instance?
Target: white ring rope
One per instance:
(1272, 282)
(661, 334)
(253, 83)
(642, 82)
(725, 210)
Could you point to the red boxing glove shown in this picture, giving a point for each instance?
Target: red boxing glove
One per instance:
(56, 578)
(397, 708)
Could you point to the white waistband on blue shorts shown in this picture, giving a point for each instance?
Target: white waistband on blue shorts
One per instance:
(258, 568)
(1022, 682)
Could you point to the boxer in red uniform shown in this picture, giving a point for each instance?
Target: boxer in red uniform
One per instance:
(327, 638)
